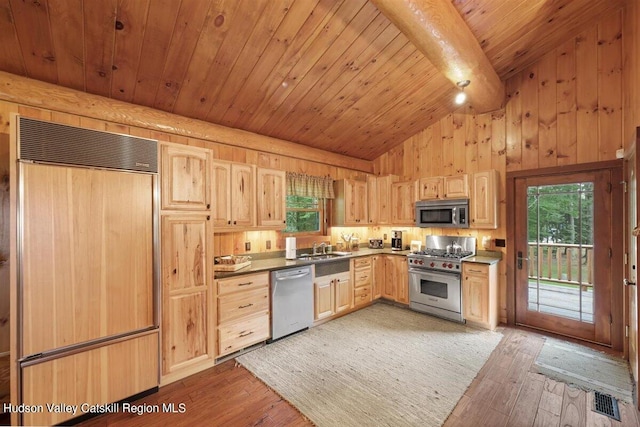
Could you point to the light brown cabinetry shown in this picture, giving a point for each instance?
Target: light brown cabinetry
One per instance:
(243, 312)
(377, 275)
(350, 206)
(185, 177)
(234, 187)
(480, 294)
(396, 285)
(187, 324)
(403, 198)
(362, 270)
(272, 194)
(484, 199)
(333, 295)
(379, 198)
(444, 187)
(97, 376)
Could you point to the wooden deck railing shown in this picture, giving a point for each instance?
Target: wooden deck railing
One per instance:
(561, 263)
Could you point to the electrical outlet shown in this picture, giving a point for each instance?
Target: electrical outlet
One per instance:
(385, 237)
(247, 246)
(268, 244)
(501, 243)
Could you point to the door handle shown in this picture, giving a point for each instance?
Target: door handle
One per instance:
(628, 283)
(519, 260)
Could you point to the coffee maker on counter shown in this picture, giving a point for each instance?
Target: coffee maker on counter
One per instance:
(396, 240)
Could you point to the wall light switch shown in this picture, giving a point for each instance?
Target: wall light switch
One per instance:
(268, 244)
(247, 246)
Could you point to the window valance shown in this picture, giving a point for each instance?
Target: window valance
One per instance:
(300, 184)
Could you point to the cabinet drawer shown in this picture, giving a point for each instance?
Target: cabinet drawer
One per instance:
(243, 333)
(362, 295)
(240, 304)
(242, 283)
(362, 278)
(475, 269)
(362, 262)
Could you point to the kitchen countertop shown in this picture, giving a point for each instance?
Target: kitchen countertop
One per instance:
(270, 264)
(482, 259)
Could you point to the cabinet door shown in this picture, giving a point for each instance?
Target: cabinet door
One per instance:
(430, 188)
(390, 279)
(272, 192)
(324, 298)
(186, 331)
(243, 191)
(344, 292)
(185, 177)
(476, 299)
(361, 202)
(403, 197)
(378, 277)
(221, 212)
(373, 199)
(484, 200)
(383, 200)
(402, 275)
(456, 187)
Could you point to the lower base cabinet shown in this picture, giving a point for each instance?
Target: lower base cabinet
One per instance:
(243, 312)
(333, 294)
(362, 280)
(396, 283)
(98, 376)
(480, 294)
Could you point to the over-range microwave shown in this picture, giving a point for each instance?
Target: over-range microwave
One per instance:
(452, 213)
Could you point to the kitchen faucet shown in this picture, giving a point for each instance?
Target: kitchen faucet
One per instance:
(322, 246)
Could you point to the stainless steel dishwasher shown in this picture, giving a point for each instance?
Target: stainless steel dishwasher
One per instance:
(291, 301)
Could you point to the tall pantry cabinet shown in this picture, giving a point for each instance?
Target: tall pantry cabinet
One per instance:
(187, 289)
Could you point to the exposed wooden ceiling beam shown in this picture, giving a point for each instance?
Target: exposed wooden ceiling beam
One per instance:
(437, 29)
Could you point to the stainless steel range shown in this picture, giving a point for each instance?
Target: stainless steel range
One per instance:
(435, 285)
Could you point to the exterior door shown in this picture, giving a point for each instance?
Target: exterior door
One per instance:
(632, 247)
(566, 248)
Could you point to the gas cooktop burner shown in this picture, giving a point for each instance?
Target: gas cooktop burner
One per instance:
(442, 253)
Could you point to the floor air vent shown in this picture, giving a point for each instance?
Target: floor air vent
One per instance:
(606, 405)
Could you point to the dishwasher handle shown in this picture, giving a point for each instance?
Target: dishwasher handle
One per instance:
(292, 277)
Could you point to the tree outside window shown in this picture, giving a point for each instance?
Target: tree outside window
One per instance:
(304, 214)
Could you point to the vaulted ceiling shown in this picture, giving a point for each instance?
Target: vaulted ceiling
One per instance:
(331, 74)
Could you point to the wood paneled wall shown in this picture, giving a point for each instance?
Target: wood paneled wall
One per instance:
(4, 243)
(567, 108)
(631, 74)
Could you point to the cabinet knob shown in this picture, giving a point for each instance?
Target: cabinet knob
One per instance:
(208, 205)
(175, 271)
(208, 217)
(234, 222)
(229, 222)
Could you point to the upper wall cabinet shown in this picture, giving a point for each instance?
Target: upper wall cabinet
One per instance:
(484, 199)
(379, 198)
(444, 187)
(234, 187)
(350, 205)
(403, 197)
(185, 177)
(272, 194)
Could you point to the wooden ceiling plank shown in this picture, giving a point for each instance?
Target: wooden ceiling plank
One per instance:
(186, 32)
(544, 34)
(233, 43)
(11, 59)
(362, 69)
(299, 17)
(331, 53)
(161, 19)
(99, 39)
(374, 38)
(132, 15)
(255, 50)
(66, 20)
(587, 95)
(45, 96)
(216, 26)
(438, 30)
(302, 61)
(31, 20)
(264, 85)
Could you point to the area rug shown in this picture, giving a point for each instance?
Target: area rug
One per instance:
(382, 366)
(585, 368)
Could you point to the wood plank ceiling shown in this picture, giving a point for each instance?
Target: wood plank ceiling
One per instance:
(331, 74)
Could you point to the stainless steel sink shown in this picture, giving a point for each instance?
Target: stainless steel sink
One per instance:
(309, 257)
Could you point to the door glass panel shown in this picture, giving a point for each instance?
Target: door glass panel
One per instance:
(435, 289)
(560, 250)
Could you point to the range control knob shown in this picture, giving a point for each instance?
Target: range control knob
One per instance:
(444, 264)
(433, 264)
(450, 265)
(421, 262)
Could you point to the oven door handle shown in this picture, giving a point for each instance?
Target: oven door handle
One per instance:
(434, 273)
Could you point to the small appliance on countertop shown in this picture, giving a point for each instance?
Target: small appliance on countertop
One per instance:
(396, 240)
(376, 243)
(290, 248)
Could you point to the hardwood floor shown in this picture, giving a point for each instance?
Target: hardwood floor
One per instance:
(504, 393)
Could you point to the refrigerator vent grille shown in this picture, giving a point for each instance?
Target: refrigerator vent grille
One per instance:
(55, 143)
